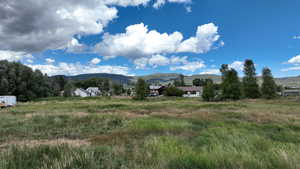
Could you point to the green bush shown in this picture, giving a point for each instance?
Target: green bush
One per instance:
(173, 91)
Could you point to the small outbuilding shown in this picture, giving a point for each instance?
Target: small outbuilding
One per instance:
(8, 101)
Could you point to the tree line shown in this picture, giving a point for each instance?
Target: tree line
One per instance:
(27, 84)
(232, 89)
(21, 81)
(105, 85)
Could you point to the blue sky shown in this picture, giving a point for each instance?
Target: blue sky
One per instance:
(230, 31)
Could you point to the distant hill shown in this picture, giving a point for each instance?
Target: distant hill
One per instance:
(166, 78)
(121, 79)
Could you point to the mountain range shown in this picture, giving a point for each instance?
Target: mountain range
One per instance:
(166, 78)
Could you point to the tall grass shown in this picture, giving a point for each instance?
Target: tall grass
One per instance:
(154, 134)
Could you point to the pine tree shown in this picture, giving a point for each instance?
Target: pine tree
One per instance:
(199, 82)
(141, 89)
(180, 81)
(209, 91)
(268, 86)
(231, 88)
(250, 86)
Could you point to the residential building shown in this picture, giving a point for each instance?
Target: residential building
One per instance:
(191, 91)
(93, 91)
(156, 90)
(81, 92)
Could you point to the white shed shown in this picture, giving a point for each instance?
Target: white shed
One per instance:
(81, 92)
(8, 101)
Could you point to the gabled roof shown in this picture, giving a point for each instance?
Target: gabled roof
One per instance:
(152, 87)
(93, 88)
(82, 90)
(190, 89)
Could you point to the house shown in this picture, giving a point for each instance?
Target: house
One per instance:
(93, 91)
(192, 91)
(81, 92)
(156, 90)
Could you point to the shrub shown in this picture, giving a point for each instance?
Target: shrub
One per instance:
(209, 93)
(173, 91)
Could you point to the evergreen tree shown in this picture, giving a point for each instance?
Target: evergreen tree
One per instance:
(141, 89)
(231, 88)
(209, 92)
(268, 86)
(180, 81)
(106, 85)
(199, 82)
(117, 89)
(173, 91)
(250, 86)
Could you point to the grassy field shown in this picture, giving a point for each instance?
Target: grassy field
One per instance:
(164, 133)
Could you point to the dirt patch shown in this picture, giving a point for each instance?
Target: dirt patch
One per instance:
(76, 114)
(33, 143)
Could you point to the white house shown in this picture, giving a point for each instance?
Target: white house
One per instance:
(81, 92)
(93, 91)
(192, 91)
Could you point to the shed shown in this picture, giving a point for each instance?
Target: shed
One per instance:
(7, 101)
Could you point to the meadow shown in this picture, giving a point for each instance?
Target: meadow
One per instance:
(160, 133)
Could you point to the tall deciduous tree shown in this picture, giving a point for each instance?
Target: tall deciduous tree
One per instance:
(21, 81)
(268, 86)
(250, 86)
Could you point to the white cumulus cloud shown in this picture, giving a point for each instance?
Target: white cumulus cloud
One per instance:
(159, 60)
(63, 68)
(14, 56)
(49, 60)
(294, 60)
(190, 66)
(210, 72)
(95, 61)
(160, 3)
(139, 41)
(237, 65)
(204, 40)
(37, 25)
